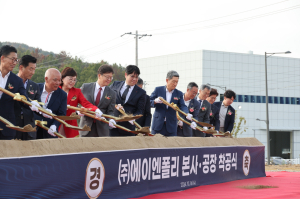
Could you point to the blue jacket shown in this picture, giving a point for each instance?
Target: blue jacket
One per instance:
(7, 103)
(161, 111)
(58, 106)
(229, 119)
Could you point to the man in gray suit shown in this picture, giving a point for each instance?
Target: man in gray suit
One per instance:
(205, 108)
(193, 105)
(99, 94)
(26, 116)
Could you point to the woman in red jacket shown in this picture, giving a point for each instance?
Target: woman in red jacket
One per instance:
(75, 97)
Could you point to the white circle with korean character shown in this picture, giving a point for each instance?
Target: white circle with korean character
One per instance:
(246, 162)
(94, 178)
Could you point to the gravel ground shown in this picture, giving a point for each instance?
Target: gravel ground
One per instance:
(293, 168)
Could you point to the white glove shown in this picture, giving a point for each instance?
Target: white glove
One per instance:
(119, 106)
(47, 116)
(131, 122)
(189, 116)
(205, 128)
(51, 130)
(217, 132)
(98, 113)
(80, 114)
(193, 125)
(180, 123)
(112, 123)
(35, 103)
(34, 108)
(68, 104)
(157, 101)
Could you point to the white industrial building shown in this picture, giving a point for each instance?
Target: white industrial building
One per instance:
(244, 73)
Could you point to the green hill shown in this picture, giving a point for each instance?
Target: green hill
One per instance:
(86, 72)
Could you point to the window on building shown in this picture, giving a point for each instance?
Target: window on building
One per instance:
(246, 98)
(293, 100)
(252, 97)
(263, 99)
(240, 98)
(287, 100)
(298, 100)
(281, 100)
(275, 100)
(221, 97)
(271, 99)
(258, 99)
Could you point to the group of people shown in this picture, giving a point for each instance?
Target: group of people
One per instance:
(58, 92)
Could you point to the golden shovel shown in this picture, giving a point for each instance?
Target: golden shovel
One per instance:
(23, 99)
(140, 129)
(27, 128)
(42, 125)
(117, 119)
(176, 108)
(116, 125)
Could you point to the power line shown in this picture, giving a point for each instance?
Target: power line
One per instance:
(216, 17)
(232, 22)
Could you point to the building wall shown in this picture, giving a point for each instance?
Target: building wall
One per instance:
(243, 73)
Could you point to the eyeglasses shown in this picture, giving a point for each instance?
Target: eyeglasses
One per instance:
(72, 80)
(109, 78)
(13, 59)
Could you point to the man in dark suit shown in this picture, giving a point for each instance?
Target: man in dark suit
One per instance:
(147, 116)
(54, 99)
(214, 113)
(227, 112)
(106, 102)
(193, 105)
(25, 116)
(164, 117)
(203, 115)
(130, 97)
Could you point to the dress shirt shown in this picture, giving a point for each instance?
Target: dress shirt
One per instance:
(187, 103)
(129, 91)
(168, 96)
(3, 81)
(201, 102)
(222, 115)
(44, 97)
(97, 87)
(25, 84)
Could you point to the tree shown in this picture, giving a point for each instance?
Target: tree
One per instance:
(239, 127)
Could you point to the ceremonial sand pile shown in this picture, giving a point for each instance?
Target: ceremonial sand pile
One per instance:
(16, 148)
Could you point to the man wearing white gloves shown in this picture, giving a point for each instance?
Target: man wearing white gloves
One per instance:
(55, 101)
(193, 105)
(205, 109)
(99, 94)
(164, 117)
(131, 97)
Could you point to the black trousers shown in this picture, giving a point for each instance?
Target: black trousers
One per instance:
(22, 135)
(3, 137)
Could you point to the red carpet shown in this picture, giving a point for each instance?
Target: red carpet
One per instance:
(288, 184)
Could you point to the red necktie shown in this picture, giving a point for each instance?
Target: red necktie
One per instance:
(98, 97)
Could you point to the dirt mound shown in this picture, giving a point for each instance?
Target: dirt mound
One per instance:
(15, 148)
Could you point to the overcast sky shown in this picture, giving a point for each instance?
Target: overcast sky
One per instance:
(91, 29)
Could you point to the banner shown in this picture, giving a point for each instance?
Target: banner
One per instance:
(127, 173)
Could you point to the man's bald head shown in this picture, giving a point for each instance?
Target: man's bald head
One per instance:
(52, 79)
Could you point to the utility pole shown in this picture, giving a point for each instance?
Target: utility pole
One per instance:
(137, 36)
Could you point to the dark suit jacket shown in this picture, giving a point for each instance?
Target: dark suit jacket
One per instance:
(214, 117)
(147, 116)
(33, 92)
(58, 105)
(135, 104)
(186, 130)
(162, 112)
(229, 119)
(14, 84)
